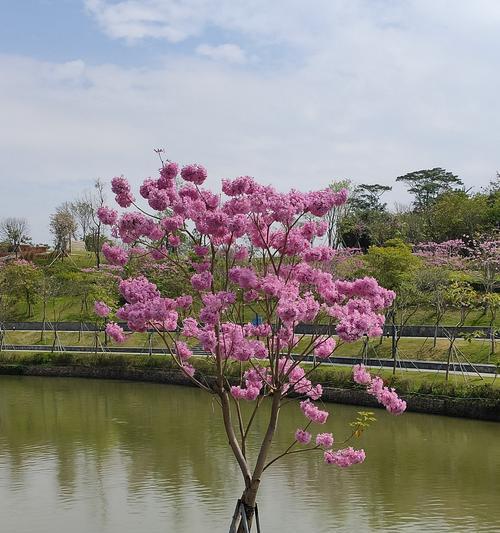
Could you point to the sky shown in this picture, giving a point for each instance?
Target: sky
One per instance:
(297, 94)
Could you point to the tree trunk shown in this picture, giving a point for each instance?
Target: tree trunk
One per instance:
(394, 349)
(44, 319)
(97, 248)
(492, 342)
(249, 496)
(448, 360)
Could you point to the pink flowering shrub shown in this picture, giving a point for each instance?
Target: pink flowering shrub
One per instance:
(285, 280)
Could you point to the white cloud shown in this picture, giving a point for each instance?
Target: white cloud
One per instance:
(370, 94)
(231, 53)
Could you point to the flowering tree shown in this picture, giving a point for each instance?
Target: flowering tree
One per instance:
(284, 282)
(451, 254)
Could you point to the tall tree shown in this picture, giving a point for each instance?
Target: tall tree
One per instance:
(336, 214)
(427, 185)
(15, 232)
(367, 197)
(82, 210)
(63, 226)
(96, 236)
(367, 221)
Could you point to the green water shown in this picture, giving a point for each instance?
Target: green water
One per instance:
(84, 456)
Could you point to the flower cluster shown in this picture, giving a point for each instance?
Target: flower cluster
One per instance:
(375, 386)
(345, 457)
(313, 413)
(115, 332)
(121, 188)
(101, 309)
(115, 254)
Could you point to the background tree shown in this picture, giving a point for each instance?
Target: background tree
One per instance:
(433, 283)
(427, 185)
(96, 237)
(463, 297)
(15, 232)
(22, 278)
(403, 308)
(63, 226)
(336, 215)
(367, 221)
(456, 213)
(408, 223)
(392, 263)
(83, 210)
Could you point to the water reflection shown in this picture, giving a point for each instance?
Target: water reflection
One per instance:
(104, 456)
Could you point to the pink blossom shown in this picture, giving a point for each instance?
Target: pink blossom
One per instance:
(114, 254)
(188, 369)
(183, 350)
(250, 296)
(107, 215)
(101, 309)
(302, 437)
(138, 289)
(392, 402)
(375, 386)
(174, 240)
(241, 253)
(312, 412)
(159, 199)
(121, 188)
(207, 339)
(250, 393)
(238, 186)
(201, 250)
(361, 375)
(115, 332)
(325, 440)
(194, 173)
(202, 281)
(315, 392)
(244, 277)
(184, 301)
(172, 223)
(169, 171)
(345, 457)
(324, 347)
(190, 328)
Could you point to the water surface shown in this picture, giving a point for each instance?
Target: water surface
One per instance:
(90, 456)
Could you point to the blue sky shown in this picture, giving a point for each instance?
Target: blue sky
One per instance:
(297, 94)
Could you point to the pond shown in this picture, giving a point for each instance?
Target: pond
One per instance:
(91, 456)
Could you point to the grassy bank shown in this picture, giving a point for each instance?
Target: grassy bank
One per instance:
(407, 383)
